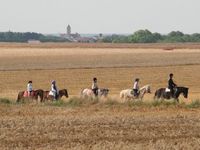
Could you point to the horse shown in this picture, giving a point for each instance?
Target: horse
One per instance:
(61, 93)
(129, 94)
(162, 94)
(34, 95)
(102, 92)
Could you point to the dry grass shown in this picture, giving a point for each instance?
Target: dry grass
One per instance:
(103, 45)
(61, 58)
(33, 126)
(115, 79)
(76, 124)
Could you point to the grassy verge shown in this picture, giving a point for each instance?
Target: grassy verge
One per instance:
(74, 102)
(80, 102)
(5, 101)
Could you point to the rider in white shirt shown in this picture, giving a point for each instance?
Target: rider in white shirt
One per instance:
(54, 89)
(29, 88)
(136, 87)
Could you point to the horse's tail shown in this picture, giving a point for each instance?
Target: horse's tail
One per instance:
(45, 95)
(40, 93)
(81, 93)
(19, 96)
(121, 94)
(156, 95)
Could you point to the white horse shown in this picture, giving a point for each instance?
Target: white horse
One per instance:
(85, 93)
(129, 94)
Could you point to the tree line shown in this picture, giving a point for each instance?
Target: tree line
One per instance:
(25, 37)
(140, 36)
(145, 36)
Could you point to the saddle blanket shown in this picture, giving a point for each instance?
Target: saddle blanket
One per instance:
(26, 94)
(167, 90)
(51, 93)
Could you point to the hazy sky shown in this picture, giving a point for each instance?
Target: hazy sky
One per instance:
(100, 16)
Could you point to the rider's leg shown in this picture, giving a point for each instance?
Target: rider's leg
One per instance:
(95, 91)
(172, 92)
(135, 92)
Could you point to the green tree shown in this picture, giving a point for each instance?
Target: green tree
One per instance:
(142, 36)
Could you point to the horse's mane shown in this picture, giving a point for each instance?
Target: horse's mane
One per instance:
(145, 87)
(182, 87)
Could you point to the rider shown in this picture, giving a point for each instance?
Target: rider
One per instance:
(54, 89)
(29, 88)
(171, 84)
(136, 87)
(95, 87)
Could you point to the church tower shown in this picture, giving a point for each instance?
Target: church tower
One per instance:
(68, 30)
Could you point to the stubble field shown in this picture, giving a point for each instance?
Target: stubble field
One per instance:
(98, 126)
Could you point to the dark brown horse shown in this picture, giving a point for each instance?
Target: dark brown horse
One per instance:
(34, 96)
(62, 93)
(162, 94)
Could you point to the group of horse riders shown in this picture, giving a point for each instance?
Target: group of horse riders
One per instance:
(54, 90)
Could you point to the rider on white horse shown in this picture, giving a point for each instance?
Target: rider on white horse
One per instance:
(95, 87)
(136, 87)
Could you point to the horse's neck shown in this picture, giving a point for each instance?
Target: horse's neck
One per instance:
(143, 89)
(60, 94)
(178, 93)
(142, 92)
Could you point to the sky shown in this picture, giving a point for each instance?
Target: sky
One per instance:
(100, 16)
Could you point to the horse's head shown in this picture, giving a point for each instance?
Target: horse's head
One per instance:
(66, 93)
(185, 93)
(39, 93)
(183, 90)
(63, 93)
(104, 92)
(146, 89)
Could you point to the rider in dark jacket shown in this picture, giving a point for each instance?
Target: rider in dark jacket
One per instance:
(95, 87)
(171, 84)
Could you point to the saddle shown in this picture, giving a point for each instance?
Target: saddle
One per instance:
(51, 93)
(26, 94)
(132, 92)
(167, 90)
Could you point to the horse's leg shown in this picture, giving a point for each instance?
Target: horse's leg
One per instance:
(177, 100)
(18, 98)
(41, 96)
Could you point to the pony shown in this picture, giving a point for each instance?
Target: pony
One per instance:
(129, 94)
(61, 93)
(102, 92)
(162, 94)
(34, 95)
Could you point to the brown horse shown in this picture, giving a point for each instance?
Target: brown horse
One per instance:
(34, 96)
(62, 93)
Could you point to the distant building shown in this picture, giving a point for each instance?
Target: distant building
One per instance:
(76, 37)
(34, 41)
(69, 30)
(86, 40)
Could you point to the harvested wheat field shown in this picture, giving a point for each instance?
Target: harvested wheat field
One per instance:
(31, 126)
(106, 124)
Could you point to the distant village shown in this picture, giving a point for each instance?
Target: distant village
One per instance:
(76, 37)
